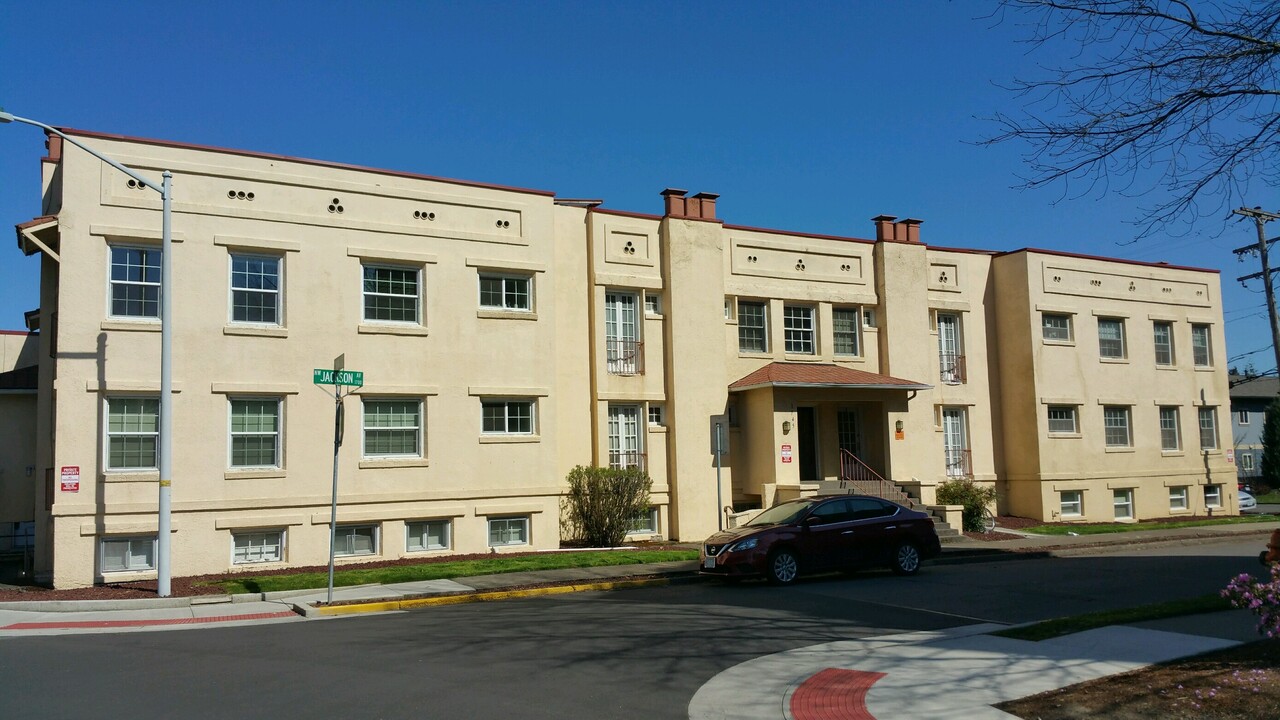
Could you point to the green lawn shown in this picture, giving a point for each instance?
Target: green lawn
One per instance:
(446, 570)
(1156, 611)
(1098, 529)
(1271, 497)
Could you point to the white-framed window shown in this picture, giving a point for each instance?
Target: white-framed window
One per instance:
(657, 414)
(868, 317)
(255, 289)
(127, 554)
(1122, 501)
(955, 442)
(753, 327)
(1111, 338)
(1246, 462)
(506, 292)
(951, 359)
(623, 349)
(135, 282)
(798, 329)
(1071, 503)
(1242, 418)
(255, 432)
(728, 309)
(1055, 327)
(1116, 426)
(646, 523)
(351, 540)
(507, 417)
(1170, 429)
(844, 330)
(1208, 418)
(1178, 498)
(1163, 336)
(423, 535)
(392, 294)
(508, 531)
(1062, 419)
(1213, 496)
(652, 303)
(626, 442)
(1201, 350)
(133, 429)
(258, 546)
(392, 428)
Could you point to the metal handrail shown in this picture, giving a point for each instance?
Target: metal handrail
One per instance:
(629, 459)
(959, 463)
(952, 368)
(625, 357)
(858, 476)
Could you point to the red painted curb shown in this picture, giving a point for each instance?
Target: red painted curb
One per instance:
(143, 623)
(834, 695)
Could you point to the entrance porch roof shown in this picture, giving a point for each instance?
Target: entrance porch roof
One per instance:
(821, 375)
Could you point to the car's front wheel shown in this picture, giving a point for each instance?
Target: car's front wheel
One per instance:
(906, 559)
(784, 567)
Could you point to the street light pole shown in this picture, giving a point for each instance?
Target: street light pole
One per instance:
(164, 187)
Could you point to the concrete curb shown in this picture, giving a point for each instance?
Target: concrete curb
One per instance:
(484, 596)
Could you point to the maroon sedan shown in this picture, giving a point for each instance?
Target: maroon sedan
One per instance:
(841, 532)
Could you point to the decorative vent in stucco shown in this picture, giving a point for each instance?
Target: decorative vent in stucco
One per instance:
(336, 206)
(134, 184)
(240, 195)
(800, 265)
(423, 215)
(504, 224)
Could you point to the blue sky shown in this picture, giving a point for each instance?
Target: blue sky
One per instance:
(803, 116)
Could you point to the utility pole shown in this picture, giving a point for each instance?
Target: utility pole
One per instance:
(1262, 217)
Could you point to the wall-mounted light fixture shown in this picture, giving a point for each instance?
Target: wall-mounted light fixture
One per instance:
(786, 427)
(898, 426)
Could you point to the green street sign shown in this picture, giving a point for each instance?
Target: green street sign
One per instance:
(354, 378)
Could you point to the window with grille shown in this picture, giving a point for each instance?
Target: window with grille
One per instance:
(506, 292)
(507, 417)
(1163, 332)
(135, 282)
(257, 547)
(1208, 428)
(391, 294)
(427, 535)
(255, 289)
(1062, 419)
(1111, 338)
(133, 429)
(1170, 433)
(798, 329)
(1115, 421)
(392, 428)
(753, 327)
(1201, 352)
(255, 432)
(1055, 326)
(844, 330)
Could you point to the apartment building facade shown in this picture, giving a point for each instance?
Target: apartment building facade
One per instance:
(507, 335)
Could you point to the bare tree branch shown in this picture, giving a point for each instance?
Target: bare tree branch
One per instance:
(1187, 92)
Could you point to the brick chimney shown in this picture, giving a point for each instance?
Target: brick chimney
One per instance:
(884, 227)
(912, 227)
(706, 205)
(673, 201)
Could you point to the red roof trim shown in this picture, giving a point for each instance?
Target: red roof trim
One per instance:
(14, 332)
(790, 374)
(304, 161)
(1103, 258)
(37, 221)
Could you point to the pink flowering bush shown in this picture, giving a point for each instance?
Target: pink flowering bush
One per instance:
(1262, 597)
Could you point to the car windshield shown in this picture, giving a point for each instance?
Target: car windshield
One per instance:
(781, 514)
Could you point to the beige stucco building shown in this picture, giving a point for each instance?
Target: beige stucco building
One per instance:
(506, 335)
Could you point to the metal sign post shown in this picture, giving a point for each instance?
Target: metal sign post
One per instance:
(339, 378)
(717, 447)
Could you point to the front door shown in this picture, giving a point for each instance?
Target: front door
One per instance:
(848, 433)
(807, 438)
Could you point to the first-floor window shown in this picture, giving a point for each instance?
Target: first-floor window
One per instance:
(1213, 496)
(355, 540)
(1178, 498)
(646, 522)
(133, 427)
(507, 417)
(1115, 421)
(1062, 419)
(1122, 500)
(427, 535)
(392, 428)
(1208, 428)
(508, 531)
(128, 554)
(1071, 503)
(255, 432)
(257, 547)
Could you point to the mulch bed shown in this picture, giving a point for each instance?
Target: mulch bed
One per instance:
(1012, 522)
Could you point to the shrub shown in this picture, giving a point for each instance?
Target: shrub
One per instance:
(602, 504)
(1262, 597)
(1270, 448)
(972, 496)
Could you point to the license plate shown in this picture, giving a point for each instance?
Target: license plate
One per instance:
(709, 563)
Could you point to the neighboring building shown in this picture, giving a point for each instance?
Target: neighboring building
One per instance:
(18, 372)
(506, 335)
(1249, 401)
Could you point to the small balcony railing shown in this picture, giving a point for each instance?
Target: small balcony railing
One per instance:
(625, 357)
(623, 460)
(959, 463)
(952, 367)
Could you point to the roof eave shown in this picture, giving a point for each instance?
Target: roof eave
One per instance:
(837, 386)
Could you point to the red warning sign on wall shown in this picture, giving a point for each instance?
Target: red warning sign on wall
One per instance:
(786, 453)
(70, 478)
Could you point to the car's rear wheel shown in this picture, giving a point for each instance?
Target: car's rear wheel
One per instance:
(906, 559)
(784, 567)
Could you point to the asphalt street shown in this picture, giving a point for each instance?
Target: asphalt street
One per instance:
(625, 654)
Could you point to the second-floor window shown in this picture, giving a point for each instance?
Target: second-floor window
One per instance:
(1062, 419)
(1115, 421)
(255, 432)
(798, 326)
(753, 327)
(622, 334)
(392, 428)
(1163, 332)
(1056, 326)
(951, 360)
(133, 429)
(1201, 352)
(1111, 338)
(844, 330)
(255, 289)
(135, 282)
(506, 292)
(391, 294)
(1170, 433)
(1208, 418)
